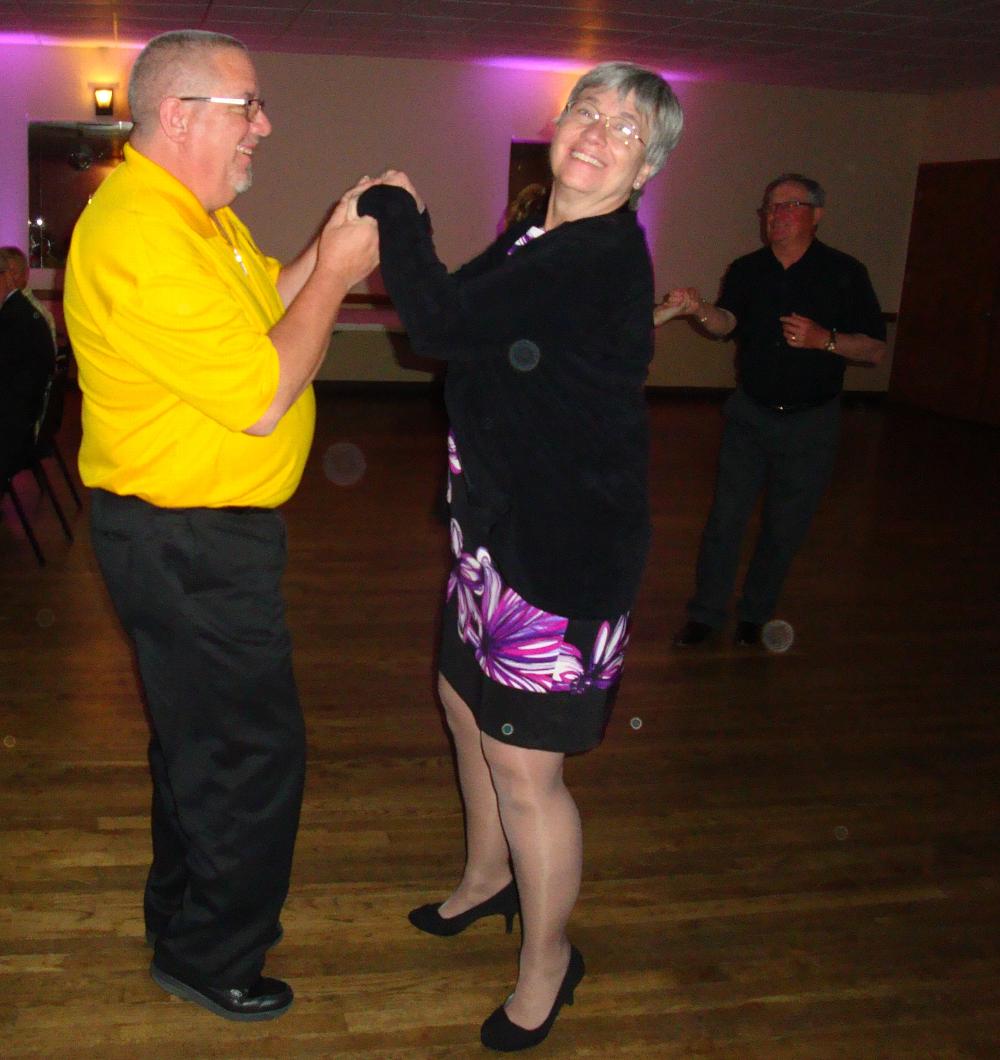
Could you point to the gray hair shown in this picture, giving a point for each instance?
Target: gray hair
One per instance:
(654, 99)
(173, 64)
(17, 262)
(817, 196)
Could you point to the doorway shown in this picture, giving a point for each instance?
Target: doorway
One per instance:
(947, 351)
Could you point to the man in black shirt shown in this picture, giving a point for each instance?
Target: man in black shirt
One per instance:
(800, 312)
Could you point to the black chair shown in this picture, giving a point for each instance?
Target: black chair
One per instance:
(37, 442)
(13, 463)
(47, 446)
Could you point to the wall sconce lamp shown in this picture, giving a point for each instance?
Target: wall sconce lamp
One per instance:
(104, 100)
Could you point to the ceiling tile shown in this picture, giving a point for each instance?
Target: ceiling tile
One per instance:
(877, 45)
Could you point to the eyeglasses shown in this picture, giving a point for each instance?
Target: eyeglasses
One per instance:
(251, 107)
(784, 207)
(620, 128)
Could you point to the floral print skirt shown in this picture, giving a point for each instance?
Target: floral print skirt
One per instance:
(531, 678)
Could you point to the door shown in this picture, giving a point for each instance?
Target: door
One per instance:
(946, 356)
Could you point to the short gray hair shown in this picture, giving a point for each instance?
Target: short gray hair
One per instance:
(654, 99)
(817, 196)
(17, 262)
(173, 64)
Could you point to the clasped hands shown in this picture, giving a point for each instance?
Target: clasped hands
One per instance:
(394, 177)
(348, 243)
(798, 331)
(679, 302)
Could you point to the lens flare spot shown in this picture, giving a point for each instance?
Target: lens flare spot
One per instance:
(344, 464)
(777, 635)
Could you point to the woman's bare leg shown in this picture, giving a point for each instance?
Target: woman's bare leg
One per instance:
(542, 825)
(487, 858)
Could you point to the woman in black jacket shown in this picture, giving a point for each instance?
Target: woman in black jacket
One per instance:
(548, 337)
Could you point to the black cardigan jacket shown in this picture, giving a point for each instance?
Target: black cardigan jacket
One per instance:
(548, 349)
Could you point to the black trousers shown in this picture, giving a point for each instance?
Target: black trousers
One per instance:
(787, 456)
(198, 590)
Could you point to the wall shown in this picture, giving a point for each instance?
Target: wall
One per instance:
(46, 84)
(962, 126)
(450, 125)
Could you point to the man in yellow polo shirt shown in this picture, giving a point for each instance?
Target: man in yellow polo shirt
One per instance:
(196, 356)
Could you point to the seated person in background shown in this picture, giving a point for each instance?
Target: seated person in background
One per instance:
(18, 261)
(27, 359)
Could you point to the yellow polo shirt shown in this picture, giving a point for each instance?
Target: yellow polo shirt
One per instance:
(169, 325)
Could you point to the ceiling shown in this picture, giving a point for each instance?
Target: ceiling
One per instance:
(875, 45)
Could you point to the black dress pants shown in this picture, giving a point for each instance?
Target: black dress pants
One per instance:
(198, 590)
(787, 456)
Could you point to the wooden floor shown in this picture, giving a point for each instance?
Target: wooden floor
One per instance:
(787, 855)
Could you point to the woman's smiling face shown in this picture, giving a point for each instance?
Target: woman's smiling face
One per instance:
(593, 164)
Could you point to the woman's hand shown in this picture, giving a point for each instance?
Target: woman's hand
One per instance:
(399, 179)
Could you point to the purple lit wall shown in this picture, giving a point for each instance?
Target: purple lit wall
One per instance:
(450, 125)
(45, 82)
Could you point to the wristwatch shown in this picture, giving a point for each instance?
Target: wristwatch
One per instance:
(831, 342)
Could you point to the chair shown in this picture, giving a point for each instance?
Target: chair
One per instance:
(7, 487)
(48, 428)
(37, 443)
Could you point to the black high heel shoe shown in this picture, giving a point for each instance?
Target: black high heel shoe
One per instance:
(504, 1036)
(504, 903)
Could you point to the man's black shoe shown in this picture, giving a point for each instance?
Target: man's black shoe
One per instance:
(747, 635)
(152, 936)
(692, 633)
(265, 1000)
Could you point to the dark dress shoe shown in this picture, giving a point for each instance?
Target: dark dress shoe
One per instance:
(503, 1035)
(747, 635)
(692, 633)
(266, 999)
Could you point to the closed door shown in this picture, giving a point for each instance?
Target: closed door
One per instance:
(946, 355)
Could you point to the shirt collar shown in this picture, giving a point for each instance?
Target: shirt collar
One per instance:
(166, 184)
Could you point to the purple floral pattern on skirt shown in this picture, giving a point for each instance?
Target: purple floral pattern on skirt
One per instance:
(517, 644)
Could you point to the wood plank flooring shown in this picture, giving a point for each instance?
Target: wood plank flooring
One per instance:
(787, 855)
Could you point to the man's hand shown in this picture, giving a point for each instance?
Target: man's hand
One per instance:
(679, 302)
(348, 244)
(804, 334)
